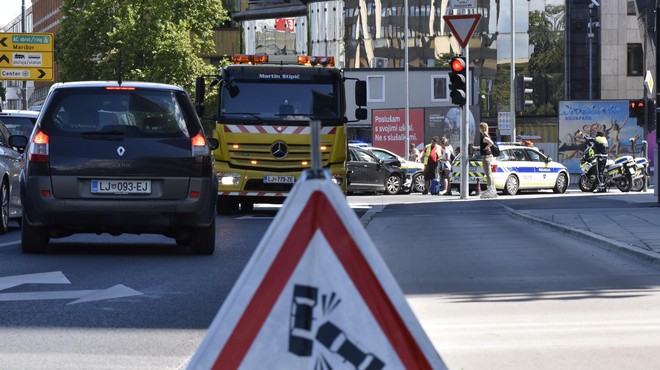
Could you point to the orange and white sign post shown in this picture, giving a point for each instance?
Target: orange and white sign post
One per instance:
(316, 295)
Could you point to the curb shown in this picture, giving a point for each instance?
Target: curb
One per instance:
(602, 242)
(369, 215)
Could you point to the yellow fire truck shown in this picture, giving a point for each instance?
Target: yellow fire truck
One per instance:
(265, 106)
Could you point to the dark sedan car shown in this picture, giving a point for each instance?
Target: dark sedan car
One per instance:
(368, 173)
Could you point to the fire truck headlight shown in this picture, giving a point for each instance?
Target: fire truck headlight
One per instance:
(226, 178)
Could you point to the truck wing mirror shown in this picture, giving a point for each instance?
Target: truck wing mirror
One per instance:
(200, 86)
(361, 93)
(360, 113)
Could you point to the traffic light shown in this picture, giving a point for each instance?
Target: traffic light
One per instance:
(652, 112)
(522, 93)
(457, 80)
(637, 109)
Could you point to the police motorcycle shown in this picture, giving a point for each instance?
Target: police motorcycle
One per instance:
(618, 172)
(641, 166)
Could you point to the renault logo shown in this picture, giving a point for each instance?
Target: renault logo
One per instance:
(121, 151)
(279, 150)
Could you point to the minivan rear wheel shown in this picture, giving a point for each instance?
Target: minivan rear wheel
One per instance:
(203, 240)
(34, 239)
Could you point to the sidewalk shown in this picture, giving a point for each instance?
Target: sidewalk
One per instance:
(633, 229)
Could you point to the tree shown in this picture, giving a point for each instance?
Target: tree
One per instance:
(146, 40)
(546, 34)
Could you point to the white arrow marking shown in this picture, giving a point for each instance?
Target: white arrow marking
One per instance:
(117, 291)
(55, 277)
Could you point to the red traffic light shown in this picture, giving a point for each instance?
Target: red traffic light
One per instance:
(457, 65)
(637, 104)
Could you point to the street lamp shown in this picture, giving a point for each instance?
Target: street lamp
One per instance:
(590, 39)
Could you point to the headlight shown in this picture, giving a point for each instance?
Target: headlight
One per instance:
(227, 178)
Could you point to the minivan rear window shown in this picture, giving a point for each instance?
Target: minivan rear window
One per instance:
(133, 113)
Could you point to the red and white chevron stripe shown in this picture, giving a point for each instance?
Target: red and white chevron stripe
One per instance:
(251, 194)
(288, 130)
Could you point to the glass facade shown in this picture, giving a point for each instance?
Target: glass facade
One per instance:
(374, 37)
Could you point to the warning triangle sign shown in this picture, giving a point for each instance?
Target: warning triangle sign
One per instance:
(462, 26)
(316, 295)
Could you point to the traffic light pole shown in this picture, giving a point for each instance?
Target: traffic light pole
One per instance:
(465, 127)
(512, 89)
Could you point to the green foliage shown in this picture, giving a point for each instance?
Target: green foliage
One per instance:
(546, 34)
(210, 102)
(442, 60)
(147, 40)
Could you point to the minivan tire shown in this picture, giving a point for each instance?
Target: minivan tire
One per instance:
(34, 239)
(203, 240)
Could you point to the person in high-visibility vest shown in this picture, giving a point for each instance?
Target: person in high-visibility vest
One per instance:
(431, 157)
(601, 151)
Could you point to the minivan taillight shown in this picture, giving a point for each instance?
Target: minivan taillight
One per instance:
(199, 147)
(38, 151)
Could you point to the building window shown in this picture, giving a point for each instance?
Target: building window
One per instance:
(376, 88)
(635, 60)
(631, 7)
(439, 88)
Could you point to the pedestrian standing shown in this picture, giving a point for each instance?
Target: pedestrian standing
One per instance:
(413, 153)
(485, 144)
(431, 156)
(445, 164)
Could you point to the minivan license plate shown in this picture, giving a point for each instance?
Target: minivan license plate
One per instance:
(121, 186)
(279, 179)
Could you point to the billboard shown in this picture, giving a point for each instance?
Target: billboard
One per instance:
(389, 130)
(609, 116)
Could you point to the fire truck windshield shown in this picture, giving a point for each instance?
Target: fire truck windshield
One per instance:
(278, 100)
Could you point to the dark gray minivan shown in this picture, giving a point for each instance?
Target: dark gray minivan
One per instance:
(110, 157)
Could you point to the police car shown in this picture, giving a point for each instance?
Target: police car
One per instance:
(517, 168)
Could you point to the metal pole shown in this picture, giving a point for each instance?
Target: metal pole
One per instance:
(512, 89)
(590, 36)
(465, 126)
(24, 100)
(405, 61)
(316, 171)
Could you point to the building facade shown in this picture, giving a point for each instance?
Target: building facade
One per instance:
(567, 47)
(18, 93)
(571, 49)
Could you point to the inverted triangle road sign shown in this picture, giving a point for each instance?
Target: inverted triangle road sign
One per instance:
(316, 295)
(462, 26)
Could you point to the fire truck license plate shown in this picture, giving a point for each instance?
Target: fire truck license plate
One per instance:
(279, 179)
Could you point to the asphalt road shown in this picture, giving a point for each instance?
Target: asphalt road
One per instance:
(490, 291)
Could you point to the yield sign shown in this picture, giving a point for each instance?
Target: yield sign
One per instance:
(462, 26)
(316, 295)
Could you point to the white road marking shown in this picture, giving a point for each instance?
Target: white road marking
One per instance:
(57, 277)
